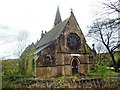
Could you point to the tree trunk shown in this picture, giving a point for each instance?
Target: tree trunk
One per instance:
(113, 62)
(113, 59)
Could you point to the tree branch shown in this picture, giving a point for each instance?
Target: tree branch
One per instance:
(115, 47)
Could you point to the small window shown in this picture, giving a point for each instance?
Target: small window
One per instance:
(48, 59)
(90, 58)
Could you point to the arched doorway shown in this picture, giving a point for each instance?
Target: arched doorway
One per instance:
(74, 66)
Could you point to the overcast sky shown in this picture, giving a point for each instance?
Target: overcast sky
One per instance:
(33, 16)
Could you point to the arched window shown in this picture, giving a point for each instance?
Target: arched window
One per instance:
(33, 64)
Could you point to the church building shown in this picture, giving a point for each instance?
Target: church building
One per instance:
(63, 50)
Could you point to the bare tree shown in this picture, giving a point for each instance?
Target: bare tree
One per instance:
(105, 31)
(21, 43)
(113, 7)
(109, 9)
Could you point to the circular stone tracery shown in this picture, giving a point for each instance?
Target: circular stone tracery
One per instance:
(73, 41)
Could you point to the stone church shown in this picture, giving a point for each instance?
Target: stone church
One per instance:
(63, 50)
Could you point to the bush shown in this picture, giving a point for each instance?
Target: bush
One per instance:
(101, 70)
(11, 79)
(117, 58)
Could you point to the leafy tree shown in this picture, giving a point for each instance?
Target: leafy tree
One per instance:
(27, 60)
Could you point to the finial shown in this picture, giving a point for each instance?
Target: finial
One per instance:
(42, 31)
(93, 45)
(71, 10)
(45, 32)
(42, 34)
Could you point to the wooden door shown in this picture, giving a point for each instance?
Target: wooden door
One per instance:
(74, 66)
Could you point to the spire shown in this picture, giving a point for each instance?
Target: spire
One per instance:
(58, 17)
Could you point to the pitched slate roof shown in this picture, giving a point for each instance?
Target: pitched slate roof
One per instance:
(50, 36)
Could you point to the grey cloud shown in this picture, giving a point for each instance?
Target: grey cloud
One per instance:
(5, 27)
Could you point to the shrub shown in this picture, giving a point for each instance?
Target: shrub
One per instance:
(100, 70)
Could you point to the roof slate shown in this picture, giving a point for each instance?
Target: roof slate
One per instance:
(52, 35)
